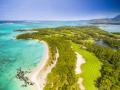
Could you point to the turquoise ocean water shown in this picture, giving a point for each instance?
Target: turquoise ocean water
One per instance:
(110, 28)
(26, 53)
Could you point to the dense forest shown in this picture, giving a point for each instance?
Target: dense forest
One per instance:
(63, 76)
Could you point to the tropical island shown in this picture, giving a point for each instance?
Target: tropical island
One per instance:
(77, 58)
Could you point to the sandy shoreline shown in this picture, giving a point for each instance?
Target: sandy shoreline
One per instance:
(80, 61)
(39, 75)
(34, 74)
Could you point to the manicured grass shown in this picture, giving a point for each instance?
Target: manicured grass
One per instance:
(90, 40)
(91, 69)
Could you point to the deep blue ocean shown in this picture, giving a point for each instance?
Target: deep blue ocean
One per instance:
(26, 53)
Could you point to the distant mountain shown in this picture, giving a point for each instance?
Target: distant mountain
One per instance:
(117, 18)
(114, 20)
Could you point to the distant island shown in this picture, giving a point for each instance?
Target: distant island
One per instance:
(115, 20)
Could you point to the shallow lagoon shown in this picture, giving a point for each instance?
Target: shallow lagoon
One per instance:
(110, 28)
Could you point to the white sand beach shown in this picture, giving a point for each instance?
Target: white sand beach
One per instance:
(39, 75)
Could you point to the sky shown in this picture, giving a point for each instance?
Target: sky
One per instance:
(58, 9)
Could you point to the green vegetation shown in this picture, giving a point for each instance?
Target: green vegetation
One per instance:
(110, 73)
(114, 43)
(91, 69)
(62, 76)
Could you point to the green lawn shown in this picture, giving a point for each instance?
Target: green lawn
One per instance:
(91, 69)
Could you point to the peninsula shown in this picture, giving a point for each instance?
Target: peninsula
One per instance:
(76, 60)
